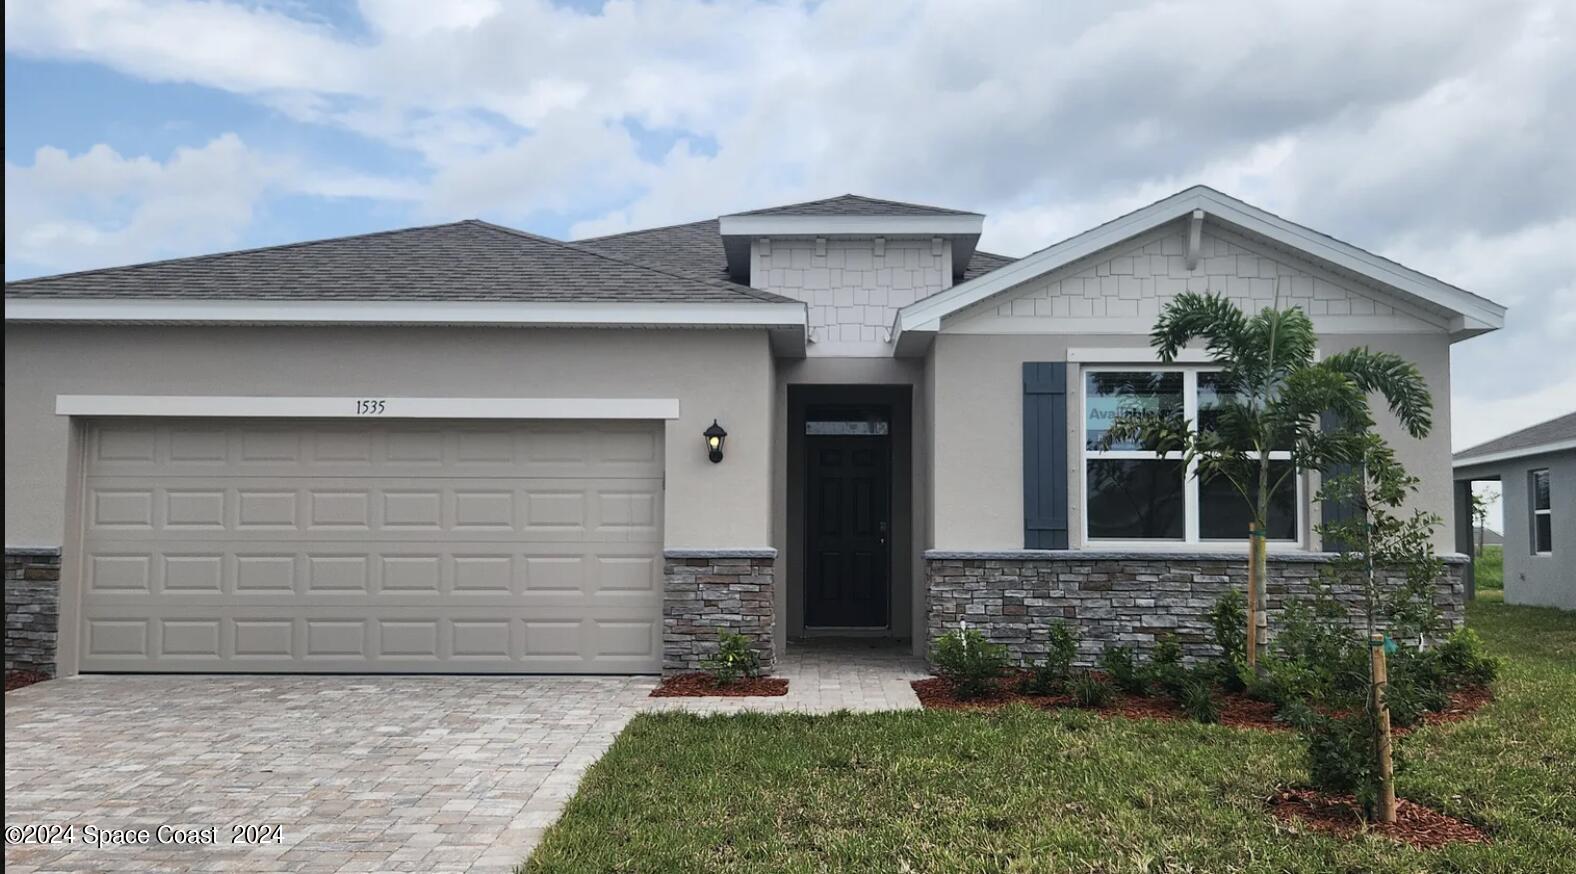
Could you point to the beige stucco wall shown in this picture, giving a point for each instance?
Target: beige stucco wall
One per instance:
(977, 410)
(722, 374)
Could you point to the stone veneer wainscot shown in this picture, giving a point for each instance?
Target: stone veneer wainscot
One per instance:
(1120, 598)
(32, 608)
(710, 590)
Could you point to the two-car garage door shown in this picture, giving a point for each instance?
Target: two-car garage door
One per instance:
(363, 546)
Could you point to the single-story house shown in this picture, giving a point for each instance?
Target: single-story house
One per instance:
(1536, 470)
(466, 448)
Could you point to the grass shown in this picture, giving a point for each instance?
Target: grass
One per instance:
(1033, 791)
(1489, 570)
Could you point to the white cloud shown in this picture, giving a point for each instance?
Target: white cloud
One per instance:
(65, 212)
(1423, 129)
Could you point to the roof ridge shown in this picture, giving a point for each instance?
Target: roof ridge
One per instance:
(643, 230)
(164, 262)
(849, 195)
(753, 293)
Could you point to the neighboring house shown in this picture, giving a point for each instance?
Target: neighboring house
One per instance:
(1487, 537)
(1536, 470)
(466, 448)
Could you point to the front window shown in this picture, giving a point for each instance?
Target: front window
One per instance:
(1132, 494)
(1542, 514)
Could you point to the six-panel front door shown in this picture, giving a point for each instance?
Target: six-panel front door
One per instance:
(849, 531)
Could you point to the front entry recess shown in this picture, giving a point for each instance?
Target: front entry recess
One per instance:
(849, 520)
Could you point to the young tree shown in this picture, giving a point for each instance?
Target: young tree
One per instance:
(1273, 394)
(1481, 501)
(1388, 556)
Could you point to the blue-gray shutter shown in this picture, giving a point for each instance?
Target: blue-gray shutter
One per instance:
(1044, 455)
(1330, 510)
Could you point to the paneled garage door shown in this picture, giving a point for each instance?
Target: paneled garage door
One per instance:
(327, 546)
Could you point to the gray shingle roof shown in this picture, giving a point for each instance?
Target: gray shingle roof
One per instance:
(696, 249)
(1553, 431)
(462, 261)
(854, 204)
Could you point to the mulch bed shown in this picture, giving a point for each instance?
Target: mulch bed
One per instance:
(1237, 711)
(18, 679)
(702, 685)
(936, 693)
(1419, 826)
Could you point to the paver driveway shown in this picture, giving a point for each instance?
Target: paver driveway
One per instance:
(360, 773)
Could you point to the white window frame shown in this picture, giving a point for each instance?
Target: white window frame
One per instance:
(1190, 487)
(1532, 501)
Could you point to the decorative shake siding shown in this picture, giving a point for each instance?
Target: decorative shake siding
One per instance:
(1132, 285)
(1122, 599)
(32, 609)
(853, 287)
(708, 591)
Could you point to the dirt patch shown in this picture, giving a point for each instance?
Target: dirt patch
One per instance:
(18, 679)
(1422, 827)
(702, 685)
(1238, 711)
(1463, 703)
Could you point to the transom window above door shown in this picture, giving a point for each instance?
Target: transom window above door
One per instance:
(1132, 494)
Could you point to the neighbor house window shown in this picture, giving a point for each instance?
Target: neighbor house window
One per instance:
(1133, 494)
(1542, 515)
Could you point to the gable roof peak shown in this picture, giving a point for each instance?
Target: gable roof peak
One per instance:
(855, 205)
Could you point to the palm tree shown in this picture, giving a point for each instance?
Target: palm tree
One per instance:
(1273, 394)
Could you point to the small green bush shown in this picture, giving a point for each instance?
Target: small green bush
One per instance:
(969, 662)
(735, 658)
(1340, 754)
(1089, 690)
(1165, 671)
(1228, 618)
(1196, 694)
(1124, 671)
(1050, 676)
(1465, 660)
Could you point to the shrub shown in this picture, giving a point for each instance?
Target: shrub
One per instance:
(1123, 670)
(1195, 694)
(1418, 684)
(1089, 690)
(1050, 676)
(969, 662)
(1165, 671)
(1340, 754)
(1228, 619)
(735, 658)
(1465, 661)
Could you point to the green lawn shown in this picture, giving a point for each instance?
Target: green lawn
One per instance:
(1034, 791)
(1490, 569)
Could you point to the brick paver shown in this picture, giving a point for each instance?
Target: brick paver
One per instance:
(362, 773)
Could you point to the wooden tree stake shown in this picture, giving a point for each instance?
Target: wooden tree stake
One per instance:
(1254, 544)
(1381, 682)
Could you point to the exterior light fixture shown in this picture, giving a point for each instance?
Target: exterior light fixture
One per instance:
(715, 436)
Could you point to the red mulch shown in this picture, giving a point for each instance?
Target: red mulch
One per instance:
(702, 685)
(18, 679)
(1422, 827)
(1235, 710)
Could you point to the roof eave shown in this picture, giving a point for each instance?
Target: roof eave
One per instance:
(1470, 314)
(1512, 454)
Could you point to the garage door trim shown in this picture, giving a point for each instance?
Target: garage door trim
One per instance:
(365, 407)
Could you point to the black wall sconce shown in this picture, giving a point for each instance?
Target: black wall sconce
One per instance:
(715, 437)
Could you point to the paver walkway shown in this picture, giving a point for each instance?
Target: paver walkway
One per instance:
(824, 677)
(360, 773)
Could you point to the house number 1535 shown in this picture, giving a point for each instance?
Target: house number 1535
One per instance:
(369, 407)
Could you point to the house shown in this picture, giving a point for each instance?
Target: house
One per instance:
(1485, 536)
(465, 448)
(1536, 470)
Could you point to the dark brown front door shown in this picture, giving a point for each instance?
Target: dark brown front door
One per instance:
(848, 503)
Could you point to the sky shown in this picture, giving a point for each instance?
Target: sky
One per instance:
(1436, 132)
